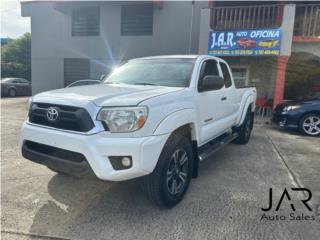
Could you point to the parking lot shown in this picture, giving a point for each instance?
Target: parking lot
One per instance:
(224, 202)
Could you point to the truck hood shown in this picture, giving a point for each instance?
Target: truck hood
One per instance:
(104, 94)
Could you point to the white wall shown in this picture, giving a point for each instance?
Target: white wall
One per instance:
(52, 40)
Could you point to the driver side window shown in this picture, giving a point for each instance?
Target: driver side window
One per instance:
(209, 67)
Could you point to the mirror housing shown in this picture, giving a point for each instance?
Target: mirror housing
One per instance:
(211, 82)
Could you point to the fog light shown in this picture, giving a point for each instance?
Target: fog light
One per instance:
(121, 162)
(126, 162)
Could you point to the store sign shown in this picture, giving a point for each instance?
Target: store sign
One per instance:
(262, 42)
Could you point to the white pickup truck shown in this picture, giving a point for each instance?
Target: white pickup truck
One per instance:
(153, 117)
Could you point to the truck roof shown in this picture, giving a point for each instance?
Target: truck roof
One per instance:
(180, 56)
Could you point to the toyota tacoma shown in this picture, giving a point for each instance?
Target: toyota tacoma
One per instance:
(153, 118)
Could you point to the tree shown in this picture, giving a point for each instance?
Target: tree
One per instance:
(16, 58)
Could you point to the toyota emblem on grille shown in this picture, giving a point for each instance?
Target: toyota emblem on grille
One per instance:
(52, 114)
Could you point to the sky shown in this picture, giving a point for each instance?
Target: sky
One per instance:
(12, 24)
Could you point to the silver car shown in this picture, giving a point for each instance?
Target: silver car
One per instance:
(15, 87)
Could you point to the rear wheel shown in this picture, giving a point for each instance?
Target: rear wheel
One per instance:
(12, 92)
(245, 129)
(310, 124)
(168, 183)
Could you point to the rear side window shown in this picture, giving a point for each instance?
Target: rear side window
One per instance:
(226, 75)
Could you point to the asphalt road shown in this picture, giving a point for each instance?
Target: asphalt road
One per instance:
(224, 202)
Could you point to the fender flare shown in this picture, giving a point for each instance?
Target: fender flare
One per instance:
(177, 119)
(248, 100)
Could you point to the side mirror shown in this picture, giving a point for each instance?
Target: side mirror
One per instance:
(102, 77)
(211, 82)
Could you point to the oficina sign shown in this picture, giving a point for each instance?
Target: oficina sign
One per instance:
(262, 42)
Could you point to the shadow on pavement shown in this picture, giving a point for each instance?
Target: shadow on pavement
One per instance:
(79, 205)
(76, 202)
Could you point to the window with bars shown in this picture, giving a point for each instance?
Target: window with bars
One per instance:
(246, 17)
(137, 20)
(86, 21)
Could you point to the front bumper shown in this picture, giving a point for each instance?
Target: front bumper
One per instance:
(96, 149)
(286, 119)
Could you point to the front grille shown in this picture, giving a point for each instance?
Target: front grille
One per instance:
(70, 118)
(55, 152)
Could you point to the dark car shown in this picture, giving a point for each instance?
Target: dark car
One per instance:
(15, 87)
(302, 115)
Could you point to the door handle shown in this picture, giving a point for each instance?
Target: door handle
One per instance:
(223, 98)
(208, 120)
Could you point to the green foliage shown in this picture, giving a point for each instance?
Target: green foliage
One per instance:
(16, 58)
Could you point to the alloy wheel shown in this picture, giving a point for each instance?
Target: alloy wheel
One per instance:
(177, 172)
(311, 125)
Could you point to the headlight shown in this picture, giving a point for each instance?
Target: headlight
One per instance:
(123, 119)
(28, 105)
(291, 108)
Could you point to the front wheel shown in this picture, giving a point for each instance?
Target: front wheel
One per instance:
(168, 183)
(310, 124)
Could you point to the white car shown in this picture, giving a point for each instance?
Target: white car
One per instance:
(153, 117)
(84, 82)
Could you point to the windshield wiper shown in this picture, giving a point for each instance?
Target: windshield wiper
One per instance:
(145, 83)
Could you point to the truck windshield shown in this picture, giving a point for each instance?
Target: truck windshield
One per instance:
(160, 72)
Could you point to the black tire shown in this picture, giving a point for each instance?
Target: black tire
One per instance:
(157, 184)
(245, 129)
(12, 92)
(308, 128)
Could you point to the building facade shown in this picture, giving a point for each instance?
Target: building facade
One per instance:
(293, 72)
(72, 41)
(81, 40)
